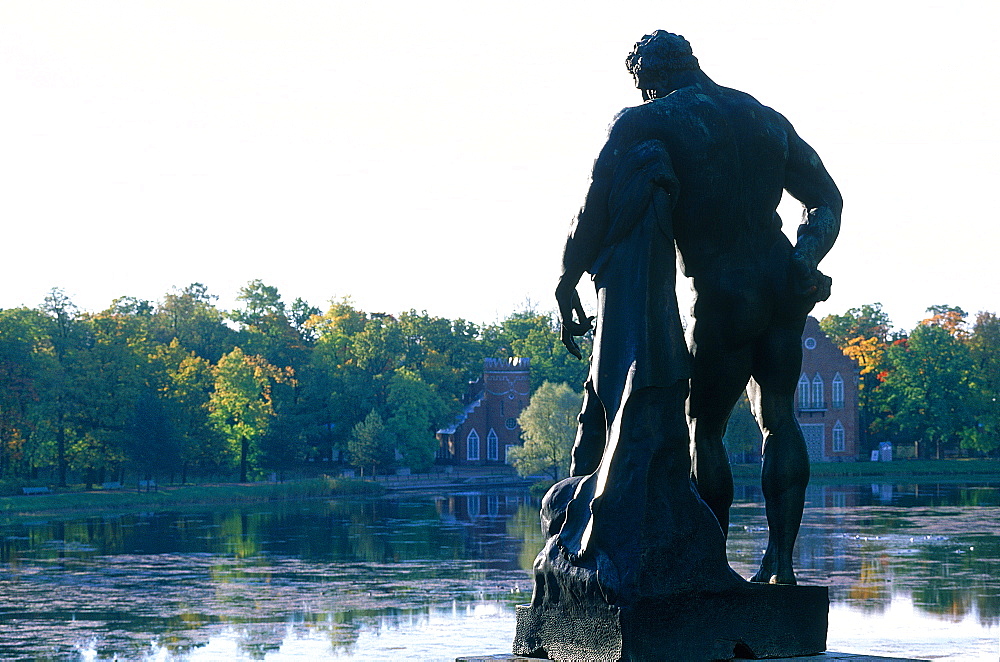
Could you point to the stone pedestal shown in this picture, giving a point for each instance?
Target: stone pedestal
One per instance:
(749, 621)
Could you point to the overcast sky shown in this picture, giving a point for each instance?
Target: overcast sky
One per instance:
(431, 155)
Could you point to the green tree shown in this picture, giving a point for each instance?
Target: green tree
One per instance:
(984, 345)
(445, 353)
(268, 329)
(529, 333)
(110, 373)
(863, 334)
(261, 304)
(22, 367)
(300, 315)
(950, 318)
(184, 382)
(240, 406)
(929, 395)
(190, 316)
(867, 321)
(96, 370)
(548, 425)
(371, 444)
(378, 348)
(413, 411)
(151, 442)
(742, 432)
(62, 313)
(338, 391)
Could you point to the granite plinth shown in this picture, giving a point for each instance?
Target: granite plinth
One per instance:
(751, 621)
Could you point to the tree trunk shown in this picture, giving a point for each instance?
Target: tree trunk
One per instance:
(61, 449)
(244, 449)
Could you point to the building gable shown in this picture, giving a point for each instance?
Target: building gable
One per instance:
(494, 401)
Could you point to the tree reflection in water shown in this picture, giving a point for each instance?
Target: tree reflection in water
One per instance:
(936, 543)
(331, 573)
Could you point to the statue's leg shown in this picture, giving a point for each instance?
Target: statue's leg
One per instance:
(591, 434)
(717, 381)
(785, 473)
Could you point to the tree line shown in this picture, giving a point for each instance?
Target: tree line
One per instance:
(181, 387)
(932, 392)
(933, 389)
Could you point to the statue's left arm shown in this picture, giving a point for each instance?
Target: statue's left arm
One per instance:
(807, 180)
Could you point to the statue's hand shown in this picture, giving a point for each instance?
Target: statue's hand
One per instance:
(570, 342)
(568, 332)
(808, 282)
(573, 318)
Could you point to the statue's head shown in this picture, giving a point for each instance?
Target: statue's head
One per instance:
(656, 56)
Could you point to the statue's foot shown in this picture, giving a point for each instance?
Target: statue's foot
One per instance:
(774, 572)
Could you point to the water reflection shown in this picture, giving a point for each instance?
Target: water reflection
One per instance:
(935, 544)
(431, 577)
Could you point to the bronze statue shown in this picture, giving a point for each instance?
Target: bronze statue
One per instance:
(636, 535)
(730, 158)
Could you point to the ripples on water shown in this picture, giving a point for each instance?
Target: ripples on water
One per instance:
(913, 570)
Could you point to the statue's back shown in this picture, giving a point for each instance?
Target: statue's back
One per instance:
(729, 154)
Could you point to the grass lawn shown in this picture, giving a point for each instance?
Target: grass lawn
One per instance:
(183, 495)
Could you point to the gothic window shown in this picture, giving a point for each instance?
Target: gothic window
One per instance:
(803, 392)
(472, 445)
(472, 505)
(492, 446)
(837, 391)
(817, 392)
(839, 442)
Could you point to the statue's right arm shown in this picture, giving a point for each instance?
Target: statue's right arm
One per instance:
(807, 180)
(583, 243)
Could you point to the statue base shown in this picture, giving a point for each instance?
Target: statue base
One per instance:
(749, 621)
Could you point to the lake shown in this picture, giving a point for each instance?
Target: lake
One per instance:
(913, 570)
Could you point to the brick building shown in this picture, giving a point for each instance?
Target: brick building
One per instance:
(826, 400)
(487, 427)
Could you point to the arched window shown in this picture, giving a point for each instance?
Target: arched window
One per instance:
(492, 446)
(493, 505)
(803, 392)
(839, 442)
(472, 505)
(837, 391)
(817, 392)
(472, 445)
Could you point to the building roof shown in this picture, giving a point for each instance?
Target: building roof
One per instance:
(469, 408)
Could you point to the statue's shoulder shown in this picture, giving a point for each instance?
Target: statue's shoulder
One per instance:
(644, 117)
(629, 114)
(748, 102)
(628, 125)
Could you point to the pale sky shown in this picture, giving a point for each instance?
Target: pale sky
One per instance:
(431, 155)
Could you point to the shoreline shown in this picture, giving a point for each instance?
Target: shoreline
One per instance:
(176, 496)
(925, 470)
